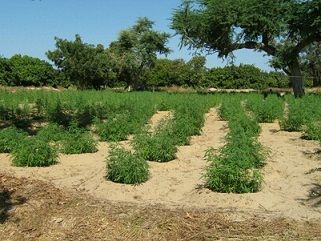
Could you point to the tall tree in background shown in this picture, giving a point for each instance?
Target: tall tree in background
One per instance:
(311, 62)
(281, 29)
(86, 65)
(136, 51)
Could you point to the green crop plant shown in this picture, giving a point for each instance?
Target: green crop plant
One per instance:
(158, 146)
(10, 138)
(33, 152)
(51, 133)
(313, 130)
(126, 167)
(236, 168)
(77, 141)
(265, 110)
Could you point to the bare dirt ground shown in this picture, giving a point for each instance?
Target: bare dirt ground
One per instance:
(173, 203)
(37, 211)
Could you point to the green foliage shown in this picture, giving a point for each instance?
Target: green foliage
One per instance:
(10, 138)
(136, 51)
(236, 168)
(313, 130)
(51, 133)
(27, 71)
(228, 25)
(266, 110)
(85, 65)
(126, 167)
(76, 141)
(159, 146)
(244, 77)
(33, 152)
(114, 129)
(301, 112)
(162, 145)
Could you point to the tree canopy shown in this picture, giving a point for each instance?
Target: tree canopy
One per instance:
(85, 65)
(281, 29)
(136, 50)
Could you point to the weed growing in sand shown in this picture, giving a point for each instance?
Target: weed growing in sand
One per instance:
(33, 152)
(126, 167)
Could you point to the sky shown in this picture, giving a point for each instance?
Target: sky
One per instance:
(28, 27)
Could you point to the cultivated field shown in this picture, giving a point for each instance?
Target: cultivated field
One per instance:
(159, 166)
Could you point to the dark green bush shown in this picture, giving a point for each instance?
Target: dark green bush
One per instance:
(33, 152)
(126, 167)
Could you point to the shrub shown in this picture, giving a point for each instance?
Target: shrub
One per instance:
(114, 129)
(52, 132)
(126, 167)
(313, 130)
(10, 138)
(228, 179)
(76, 142)
(33, 152)
(158, 146)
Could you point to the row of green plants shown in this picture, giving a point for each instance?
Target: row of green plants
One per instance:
(131, 167)
(303, 114)
(42, 149)
(236, 168)
(265, 110)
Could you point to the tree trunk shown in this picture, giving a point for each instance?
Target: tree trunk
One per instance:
(296, 79)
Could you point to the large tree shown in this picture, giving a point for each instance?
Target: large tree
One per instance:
(85, 65)
(281, 29)
(311, 62)
(136, 51)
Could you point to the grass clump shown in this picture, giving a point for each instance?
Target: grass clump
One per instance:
(33, 152)
(10, 138)
(126, 167)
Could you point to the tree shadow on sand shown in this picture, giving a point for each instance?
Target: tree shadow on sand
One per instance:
(314, 196)
(8, 203)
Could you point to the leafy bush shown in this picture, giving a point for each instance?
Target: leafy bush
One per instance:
(10, 138)
(51, 132)
(126, 167)
(266, 110)
(313, 130)
(158, 146)
(236, 168)
(114, 129)
(76, 141)
(228, 179)
(33, 152)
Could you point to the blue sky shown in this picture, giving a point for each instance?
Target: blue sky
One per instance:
(29, 26)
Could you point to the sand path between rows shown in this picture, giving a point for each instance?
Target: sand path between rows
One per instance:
(179, 183)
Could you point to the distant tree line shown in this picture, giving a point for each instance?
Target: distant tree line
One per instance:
(133, 60)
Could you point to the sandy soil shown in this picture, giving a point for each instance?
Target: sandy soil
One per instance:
(32, 210)
(178, 184)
